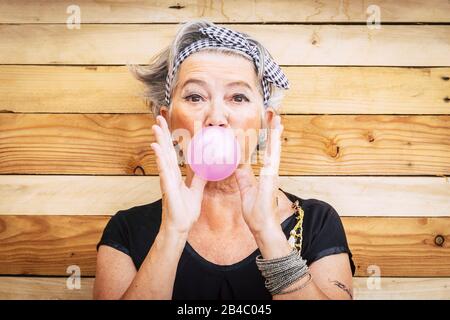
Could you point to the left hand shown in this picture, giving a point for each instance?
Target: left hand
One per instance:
(259, 207)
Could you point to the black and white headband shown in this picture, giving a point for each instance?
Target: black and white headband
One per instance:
(224, 37)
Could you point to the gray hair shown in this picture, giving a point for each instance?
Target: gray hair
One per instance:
(154, 75)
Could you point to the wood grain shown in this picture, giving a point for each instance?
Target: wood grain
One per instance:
(47, 245)
(401, 288)
(330, 90)
(59, 89)
(54, 11)
(386, 243)
(369, 102)
(312, 145)
(105, 195)
(116, 44)
(44, 288)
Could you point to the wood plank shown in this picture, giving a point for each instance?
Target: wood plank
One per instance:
(54, 11)
(402, 289)
(105, 195)
(312, 145)
(357, 45)
(55, 89)
(47, 245)
(386, 242)
(330, 90)
(45, 288)
(363, 90)
(61, 195)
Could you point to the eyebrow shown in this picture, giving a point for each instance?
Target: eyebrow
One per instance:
(231, 84)
(240, 83)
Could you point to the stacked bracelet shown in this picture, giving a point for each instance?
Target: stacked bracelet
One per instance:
(300, 286)
(280, 273)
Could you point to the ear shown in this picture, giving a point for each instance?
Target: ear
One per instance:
(269, 114)
(164, 111)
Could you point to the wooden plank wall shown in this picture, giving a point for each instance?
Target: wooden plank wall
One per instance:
(367, 129)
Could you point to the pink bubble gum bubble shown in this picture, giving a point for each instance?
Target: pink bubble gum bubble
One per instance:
(214, 153)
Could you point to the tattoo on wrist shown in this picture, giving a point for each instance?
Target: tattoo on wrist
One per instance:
(343, 287)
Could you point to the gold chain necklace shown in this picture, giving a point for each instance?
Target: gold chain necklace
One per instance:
(296, 234)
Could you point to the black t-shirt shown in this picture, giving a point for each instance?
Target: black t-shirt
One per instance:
(133, 231)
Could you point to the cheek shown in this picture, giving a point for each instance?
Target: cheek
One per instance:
(246, 118)
(182, 126)
(247, 128)
(182, 118)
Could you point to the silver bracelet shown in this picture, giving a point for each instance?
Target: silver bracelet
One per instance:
(300, 286)
(281, 272)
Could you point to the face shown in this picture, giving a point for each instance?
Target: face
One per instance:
(215, 89)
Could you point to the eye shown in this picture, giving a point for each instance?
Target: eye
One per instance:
(240, 98)
(193, 98)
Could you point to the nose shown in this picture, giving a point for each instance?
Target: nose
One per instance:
(217, 115)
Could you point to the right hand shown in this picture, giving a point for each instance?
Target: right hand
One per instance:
(181, 204)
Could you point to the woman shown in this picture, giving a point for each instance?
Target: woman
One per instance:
(223, 239)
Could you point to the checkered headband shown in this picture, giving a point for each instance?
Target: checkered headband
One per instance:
(224, 37)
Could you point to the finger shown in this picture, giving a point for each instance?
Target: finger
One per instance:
(173, 171)
(157, 132)
(273, 152)
(161, 122)
(164, 171)
(269, 178)
(165, 129)
(272, 128)
(172, 156)
(275, 144)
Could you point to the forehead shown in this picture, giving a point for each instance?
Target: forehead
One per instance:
(218, 66)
